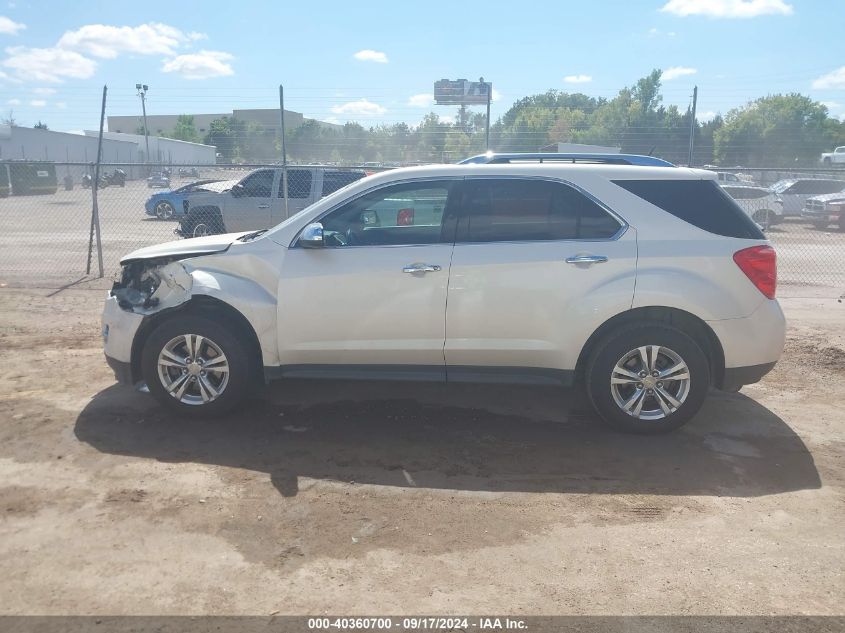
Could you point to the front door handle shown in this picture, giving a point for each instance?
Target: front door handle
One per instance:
(586, 259)
(263, 206)
(421, 268)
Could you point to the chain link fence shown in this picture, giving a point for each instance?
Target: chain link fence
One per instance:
(48, 238)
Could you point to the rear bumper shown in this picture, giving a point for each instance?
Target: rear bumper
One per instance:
(751, 345)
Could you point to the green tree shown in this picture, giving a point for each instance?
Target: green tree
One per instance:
(40, 126)
(777, 130)
(185, 129)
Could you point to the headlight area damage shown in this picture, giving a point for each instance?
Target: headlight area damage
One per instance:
(149, 285)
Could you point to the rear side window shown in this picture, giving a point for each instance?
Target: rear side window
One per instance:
(299, 184)
(514, 210)
(334, 180)
(701, 203)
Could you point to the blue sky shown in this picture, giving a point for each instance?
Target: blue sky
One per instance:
(376, 61)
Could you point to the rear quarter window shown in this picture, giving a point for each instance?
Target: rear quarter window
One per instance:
(701, 203)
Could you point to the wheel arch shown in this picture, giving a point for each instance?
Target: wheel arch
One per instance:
(685, 321)
(199, 305)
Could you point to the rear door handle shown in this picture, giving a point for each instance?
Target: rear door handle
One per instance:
(263, 206)
(421, 268)
(586, 259)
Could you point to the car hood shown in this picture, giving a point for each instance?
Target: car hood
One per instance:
(828, 197)
(182, 249)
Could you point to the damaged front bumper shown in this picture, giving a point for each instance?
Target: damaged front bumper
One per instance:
(119, 329)
(144, 288)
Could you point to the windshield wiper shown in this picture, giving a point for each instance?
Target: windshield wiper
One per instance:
(251, 236)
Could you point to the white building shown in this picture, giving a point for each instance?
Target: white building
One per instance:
(26, 143)
(164, 150)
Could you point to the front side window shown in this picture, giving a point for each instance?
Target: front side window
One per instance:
(515, 210)
(404, 214)
(258, 184)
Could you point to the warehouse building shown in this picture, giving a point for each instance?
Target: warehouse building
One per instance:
(164, 150)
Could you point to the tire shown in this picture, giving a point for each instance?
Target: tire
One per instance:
(202, 221)
(827, 162)
(673, 346)
(842, 222)
(164, 210)
(763, 217)
(165, 381)
(821, 226)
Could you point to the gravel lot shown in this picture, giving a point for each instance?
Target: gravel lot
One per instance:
(406, 498)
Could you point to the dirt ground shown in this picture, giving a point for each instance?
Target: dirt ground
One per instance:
(407, 498)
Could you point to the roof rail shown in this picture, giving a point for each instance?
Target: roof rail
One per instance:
(492, 158)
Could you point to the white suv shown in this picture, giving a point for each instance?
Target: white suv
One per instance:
(646, 284)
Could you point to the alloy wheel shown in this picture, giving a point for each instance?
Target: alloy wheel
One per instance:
(193, 369)
(650, 382)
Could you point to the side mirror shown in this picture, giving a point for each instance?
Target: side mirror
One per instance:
(312, 236)
(238, 190)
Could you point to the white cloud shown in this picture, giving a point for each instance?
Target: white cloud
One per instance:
(201, 65)
(195, 35)
(704, 117)
(655, 32)
(9, 26)
(38, 103)
(495, 95)
(831, 105)
(727, 8)
(44, 91)
(61, 105)
(832, 80)
(48, 64)
(578, 79)
(422, 100)
(369, 55)
(102, 40)
(13, 102)
(361, 108)
(673, 72)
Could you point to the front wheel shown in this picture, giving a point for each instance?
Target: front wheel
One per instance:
(647, 378)
(164, 210)
(763, 218)
(195, 366)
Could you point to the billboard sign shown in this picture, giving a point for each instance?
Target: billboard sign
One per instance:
(462, 92)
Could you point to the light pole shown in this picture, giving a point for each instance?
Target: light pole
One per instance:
(142, 92)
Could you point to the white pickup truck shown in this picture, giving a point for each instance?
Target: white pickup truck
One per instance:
(836, 156)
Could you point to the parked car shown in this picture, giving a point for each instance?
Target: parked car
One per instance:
(761, 204)
(794, 192)
(822, 211)
(257, 201)
(192, 172)
(158, 179)
(837, 156)
(646, 284)
(170, 204)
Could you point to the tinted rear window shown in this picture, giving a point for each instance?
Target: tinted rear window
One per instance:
(334, 180)
(702, 203)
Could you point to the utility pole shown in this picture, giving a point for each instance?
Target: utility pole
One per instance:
(692, 126)
(142, 92)
(489, 87)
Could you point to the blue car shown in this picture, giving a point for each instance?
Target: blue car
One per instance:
(166, 205)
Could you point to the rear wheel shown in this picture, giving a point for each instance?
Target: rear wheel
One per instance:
(820, 225)
(196, 366)
(647, 378)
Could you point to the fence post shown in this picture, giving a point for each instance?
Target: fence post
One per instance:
(95, 184)
(284, 151)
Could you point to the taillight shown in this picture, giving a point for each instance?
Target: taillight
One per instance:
(405, 217)
(759, 263)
